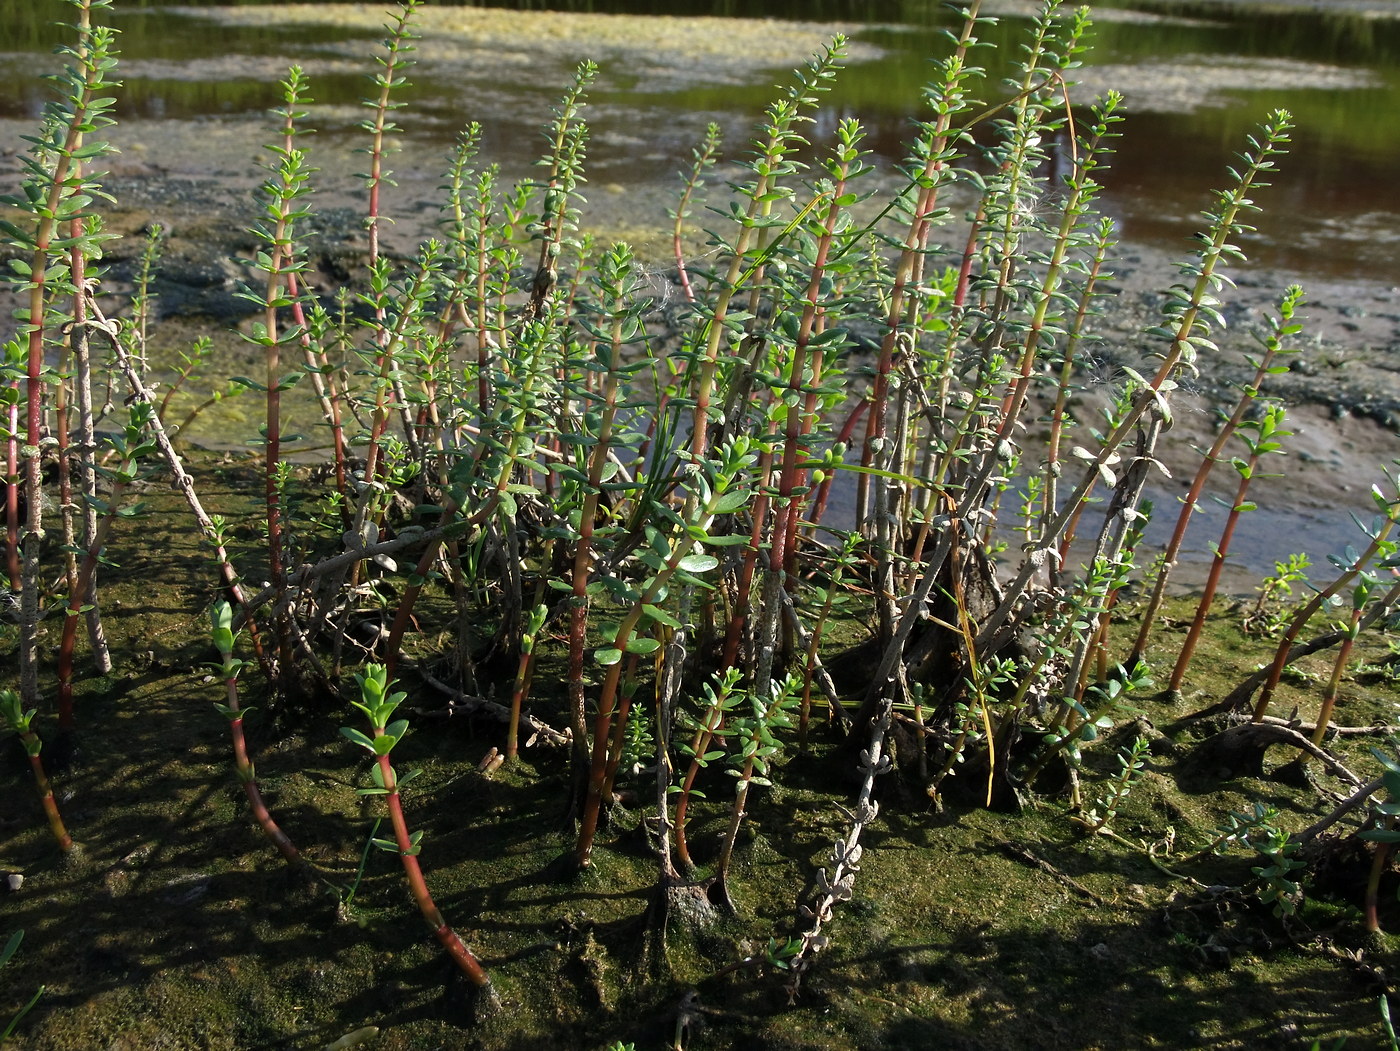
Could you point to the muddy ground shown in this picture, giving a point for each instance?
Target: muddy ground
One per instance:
(968, 929)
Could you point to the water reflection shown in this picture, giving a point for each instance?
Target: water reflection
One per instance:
(1339, 74)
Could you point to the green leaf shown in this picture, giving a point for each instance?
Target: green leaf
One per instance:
(732, 540)
(698, 563)
(609, 656)
(11, 947)
(355, 737)
(731, 502)
(660, 616)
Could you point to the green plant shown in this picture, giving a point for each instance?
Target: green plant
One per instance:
(1266, 432)
(20, 721)
(972, 717)
(1379, 550)
(753, 749)
(224, 639)
(131, 447)
(523, 675)
(378, 704)
(282, 198)
(536, 467)
(1381, 830)
(1350, 629)
(1259, 831)
(348, 893)
(722, 697)
(6, 955)
(1274, 589)
(714, 489)
(1278, 885)
(1130, 764)
(57, 194)
(1280, 330)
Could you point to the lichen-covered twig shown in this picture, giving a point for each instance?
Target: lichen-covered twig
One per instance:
(845, 855)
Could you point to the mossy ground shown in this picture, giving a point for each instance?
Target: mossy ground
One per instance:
(177, 926)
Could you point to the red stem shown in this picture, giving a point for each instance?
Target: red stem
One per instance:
(1188, 650)
(46, 798)
(246, 774)
(517, 701)
(418, 886)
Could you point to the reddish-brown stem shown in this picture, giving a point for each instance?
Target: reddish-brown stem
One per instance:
(323, 380)
(46, 797)
(714, 719)
(1301, 618)
(739, 615)
(607, 701)
(12, 497)
(736, 818)
(844, 438)
(1188, 506)
(909, 261)
(246, 775)
(62, 184)
(597, 767)
(581, 571)
(280, 267)
(1058, 415)
(1373, 880)
(61, 426)
(798, 425)
(619, 733)
(1329, 699)
(1217, 566)
(517, 700)
(399, 41)
(418, 886)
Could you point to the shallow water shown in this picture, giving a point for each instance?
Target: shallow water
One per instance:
(1195, 86)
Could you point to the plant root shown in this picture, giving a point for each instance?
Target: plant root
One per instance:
(460, 703)
(1239, 750)
(688, 903)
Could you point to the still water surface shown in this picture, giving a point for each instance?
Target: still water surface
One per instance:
(1196, 85)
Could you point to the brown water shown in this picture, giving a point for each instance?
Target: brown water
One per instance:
(1195, 86)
